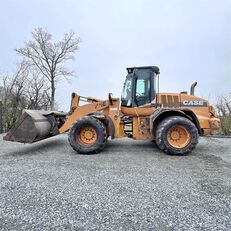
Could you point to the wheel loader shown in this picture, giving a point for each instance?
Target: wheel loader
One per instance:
(174, 121)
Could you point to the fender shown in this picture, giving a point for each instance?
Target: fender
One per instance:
(107, 122)
(162, 113)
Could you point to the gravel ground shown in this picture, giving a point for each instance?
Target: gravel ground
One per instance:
(131, 185)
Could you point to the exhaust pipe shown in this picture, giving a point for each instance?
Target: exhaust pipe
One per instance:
(192, 88)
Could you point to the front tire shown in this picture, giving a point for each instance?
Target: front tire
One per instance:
(176, 135)
(88, 135)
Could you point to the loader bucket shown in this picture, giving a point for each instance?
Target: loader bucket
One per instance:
(33, 126)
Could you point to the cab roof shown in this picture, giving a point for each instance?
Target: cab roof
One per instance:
(153, 68)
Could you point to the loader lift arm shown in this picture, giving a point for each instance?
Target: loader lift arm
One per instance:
(77, 111)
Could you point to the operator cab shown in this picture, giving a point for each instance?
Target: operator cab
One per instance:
(140, 86)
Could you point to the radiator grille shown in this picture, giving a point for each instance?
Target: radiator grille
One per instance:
(170, 100)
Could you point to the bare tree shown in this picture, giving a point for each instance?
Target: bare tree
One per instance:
(227, 102)
(13, 92)
(223, 104)
(1, 117)
(223, 107)
(38, 91)
(27, 88)
(49, 57)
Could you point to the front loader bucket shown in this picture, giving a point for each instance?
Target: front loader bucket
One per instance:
(33, 126)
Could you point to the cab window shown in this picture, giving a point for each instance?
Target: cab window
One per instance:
(126, 97)
(143, 89)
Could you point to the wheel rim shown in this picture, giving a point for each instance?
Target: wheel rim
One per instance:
(178, 136)
(87, 135)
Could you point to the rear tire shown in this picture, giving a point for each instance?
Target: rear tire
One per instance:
(176, 135)
(88, 135)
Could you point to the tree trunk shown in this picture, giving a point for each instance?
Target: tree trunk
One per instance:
(52, 93)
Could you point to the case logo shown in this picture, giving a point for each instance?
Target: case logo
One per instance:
(194, 103)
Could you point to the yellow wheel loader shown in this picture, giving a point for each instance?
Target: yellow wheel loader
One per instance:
(173, 120)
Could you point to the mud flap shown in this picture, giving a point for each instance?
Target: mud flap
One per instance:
(33, 126)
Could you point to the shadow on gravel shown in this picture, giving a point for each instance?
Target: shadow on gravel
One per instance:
(211, 161)
(132, 145)
(37, 148)
(137, 147)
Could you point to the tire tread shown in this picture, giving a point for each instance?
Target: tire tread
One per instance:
(77, 146)
(161, 140)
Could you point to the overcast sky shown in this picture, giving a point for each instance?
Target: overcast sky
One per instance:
(189, 40)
